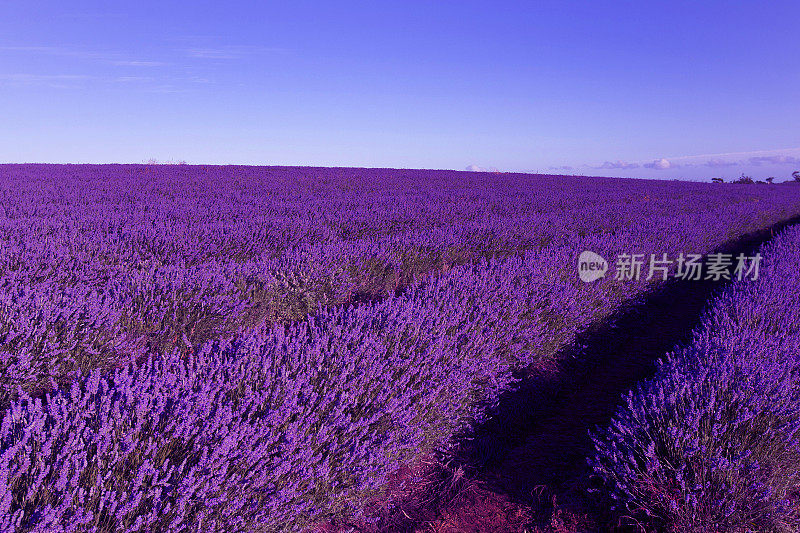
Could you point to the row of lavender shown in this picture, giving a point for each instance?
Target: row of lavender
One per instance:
(272, 426)
(712, 443)
(299, 422)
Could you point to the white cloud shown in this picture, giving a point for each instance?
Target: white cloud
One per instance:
(49, 80)
(786, 156)
(728, 154)
(92, 15)
(720, 163)
(136, 63)
(160, 84)
(774, 160)
(230, 52)
(660, 164)
(111, 58)
(42, 77)
(129, 79)
(617, 164)
(476, 168)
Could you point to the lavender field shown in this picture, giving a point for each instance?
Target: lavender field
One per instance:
(231, 348)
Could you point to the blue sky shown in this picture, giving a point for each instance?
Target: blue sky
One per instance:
(643, 89)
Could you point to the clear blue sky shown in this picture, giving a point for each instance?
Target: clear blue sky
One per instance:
(681, 89)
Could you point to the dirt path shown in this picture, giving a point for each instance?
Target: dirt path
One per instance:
(530, 456)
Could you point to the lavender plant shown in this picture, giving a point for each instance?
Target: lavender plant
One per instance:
(711, 443)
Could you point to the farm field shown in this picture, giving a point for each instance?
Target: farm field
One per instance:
(232, 348)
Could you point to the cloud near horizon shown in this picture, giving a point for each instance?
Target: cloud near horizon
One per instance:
(661, 164)
(774, 160)
(720, 163)
(758, 158)
(617, 164)
(476, 168)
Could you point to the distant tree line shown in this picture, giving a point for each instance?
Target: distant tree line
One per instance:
(747, 180)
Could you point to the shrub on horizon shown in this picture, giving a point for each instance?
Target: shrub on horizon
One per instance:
(743, 180)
